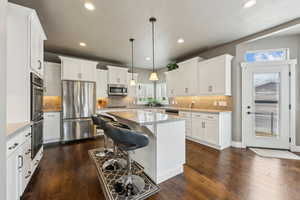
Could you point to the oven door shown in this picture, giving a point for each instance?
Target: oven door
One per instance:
(37, 137)
(36, 102)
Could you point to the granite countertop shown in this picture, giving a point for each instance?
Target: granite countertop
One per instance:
(197, 109)
(12, 128)
(145, 117)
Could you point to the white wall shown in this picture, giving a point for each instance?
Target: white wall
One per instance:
(3, 99)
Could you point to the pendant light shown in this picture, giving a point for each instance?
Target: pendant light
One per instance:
(153, 75)
(132, 81)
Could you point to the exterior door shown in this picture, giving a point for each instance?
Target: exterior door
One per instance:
(266, 102)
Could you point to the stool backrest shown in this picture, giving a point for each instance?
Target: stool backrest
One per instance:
(127, 139)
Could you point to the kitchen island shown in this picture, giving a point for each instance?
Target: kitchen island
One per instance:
(164, 157)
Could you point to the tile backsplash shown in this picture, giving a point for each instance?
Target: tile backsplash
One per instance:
(52, 103)
(115, 101)
(203, 102)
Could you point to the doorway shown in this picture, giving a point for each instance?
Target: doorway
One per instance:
(267, 94)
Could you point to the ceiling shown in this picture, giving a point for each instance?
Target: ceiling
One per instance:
(106, 30)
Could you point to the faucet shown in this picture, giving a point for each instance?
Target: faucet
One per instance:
(192, 104)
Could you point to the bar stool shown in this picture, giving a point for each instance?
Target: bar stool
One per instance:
(128, 141)
(100, 124)
(116, 162)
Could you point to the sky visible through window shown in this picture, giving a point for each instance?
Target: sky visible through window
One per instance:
(266, 55)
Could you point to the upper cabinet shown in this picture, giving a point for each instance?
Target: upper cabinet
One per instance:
(37, 38)
(101, 83)
(198, 77)
(214, 76)
(117, 75)
(78, 69)
(25, 37)
(182, 82)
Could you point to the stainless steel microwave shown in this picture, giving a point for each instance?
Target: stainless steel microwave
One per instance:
(117, 90)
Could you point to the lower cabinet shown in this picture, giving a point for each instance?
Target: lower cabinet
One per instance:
(52, 127)
(211, 129)
(20, 165)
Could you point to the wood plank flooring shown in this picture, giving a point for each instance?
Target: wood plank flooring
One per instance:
(66, 173)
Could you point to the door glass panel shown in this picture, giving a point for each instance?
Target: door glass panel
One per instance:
(267, 104)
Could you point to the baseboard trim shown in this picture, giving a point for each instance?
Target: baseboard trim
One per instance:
(295, 148)
(169, 174)
(236, 144)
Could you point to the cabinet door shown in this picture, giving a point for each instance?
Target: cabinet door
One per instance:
(188, 78)
(40, 54)
(51, 127)
(71, 70)
(34, 44)
(211, 134)
(88, 71)
(26, 169)
(197, 128)
(13, 176)
(204, 79)
(173, 83)
(101, 82)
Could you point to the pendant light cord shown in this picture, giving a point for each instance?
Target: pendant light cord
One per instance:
(153, 44)
(132, 60)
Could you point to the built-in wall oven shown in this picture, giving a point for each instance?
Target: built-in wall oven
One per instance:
(117, 90)
(37, 92)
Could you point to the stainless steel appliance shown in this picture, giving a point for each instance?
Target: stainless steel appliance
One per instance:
(36, 113)
(79, 102)
(117, 90)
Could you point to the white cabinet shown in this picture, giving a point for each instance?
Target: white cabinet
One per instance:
(211, 129)
(37, 38)
(187, 77)
(52, 79)
(117, 75)
(173, 83)
(132, 89)
(18, 163)
(23, 27)
(214, 76)
(78, 69)
(51, 127)
(188, 122)
(101, 83)
(13, 176)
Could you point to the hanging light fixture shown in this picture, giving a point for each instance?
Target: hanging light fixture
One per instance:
(132, 81)
(153, 75)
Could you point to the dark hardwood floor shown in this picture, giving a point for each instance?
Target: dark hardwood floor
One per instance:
(66, 173)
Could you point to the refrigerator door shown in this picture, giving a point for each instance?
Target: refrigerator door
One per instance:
(87, 99)
(71, 99)
(75, 129)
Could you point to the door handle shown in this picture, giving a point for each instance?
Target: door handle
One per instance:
(22, 162)
(40, 64)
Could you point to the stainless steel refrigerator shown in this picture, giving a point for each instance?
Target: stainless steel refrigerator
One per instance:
(79, 102)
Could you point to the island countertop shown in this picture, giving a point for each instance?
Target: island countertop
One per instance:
(141, 117)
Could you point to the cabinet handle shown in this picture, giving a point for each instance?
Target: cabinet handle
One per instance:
(28, 152)
(29, 173)
(186, 90)
(40, 64)
(37, 162)
(27, 135)
(210, 88)
(14, 146)
(203, 124)
(22, 162)
(79, 75)
(118, 80)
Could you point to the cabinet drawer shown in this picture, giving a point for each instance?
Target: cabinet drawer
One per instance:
(205, 116)
(185, 114)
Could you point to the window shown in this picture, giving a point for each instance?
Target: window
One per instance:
(161, 93)
(267, 55)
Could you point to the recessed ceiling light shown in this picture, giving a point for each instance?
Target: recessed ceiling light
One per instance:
(249, 4)
(89, 6)
(148, 58)
(180, 40)
(82, 44)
